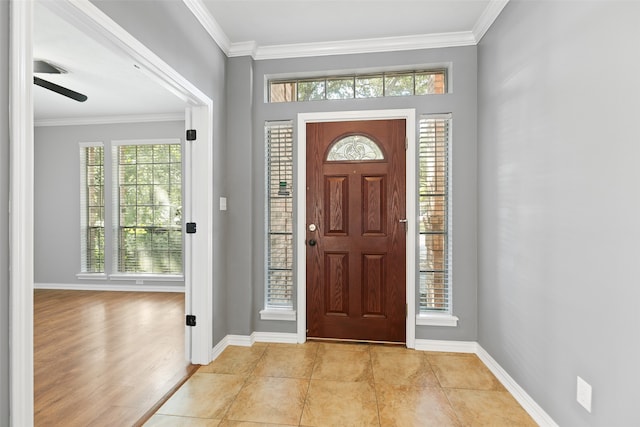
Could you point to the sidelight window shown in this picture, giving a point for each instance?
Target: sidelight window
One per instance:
(92, 208)
(279, 220)
(434, 187)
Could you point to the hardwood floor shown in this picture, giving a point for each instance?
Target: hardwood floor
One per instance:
(106, 358)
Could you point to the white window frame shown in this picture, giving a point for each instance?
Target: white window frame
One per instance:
(115, 221)
(442, 318)
(271, 312)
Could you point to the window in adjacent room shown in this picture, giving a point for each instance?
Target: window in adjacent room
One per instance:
(147, 207)
(92, 239)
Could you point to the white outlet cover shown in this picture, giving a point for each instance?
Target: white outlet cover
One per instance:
(583, 394)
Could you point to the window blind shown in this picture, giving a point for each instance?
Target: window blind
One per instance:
(434, 214)
(92, 208)
(148, 207)
(279, 215)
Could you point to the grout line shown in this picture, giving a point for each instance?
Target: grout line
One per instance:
(306, 396)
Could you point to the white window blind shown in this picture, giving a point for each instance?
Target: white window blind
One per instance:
(147, 206)
(92, 208)
(435, 214)
(279, 215)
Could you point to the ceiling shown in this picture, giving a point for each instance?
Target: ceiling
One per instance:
(261, 28)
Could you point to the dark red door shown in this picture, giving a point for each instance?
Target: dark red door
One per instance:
(356, 272)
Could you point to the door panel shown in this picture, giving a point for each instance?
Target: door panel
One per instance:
(356, 274)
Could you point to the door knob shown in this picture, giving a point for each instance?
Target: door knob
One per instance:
(312, 242)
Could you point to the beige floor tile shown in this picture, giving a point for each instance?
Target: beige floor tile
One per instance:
(488, 408)
(463, 371)
(407, 368)
(174, 421)
(343, 366)
(342, 346)
(286, 362)
(391, 348)
(236, 360)
(204, 396)
(308, 345)
(343, 404)
(270, 400)
(229, 423)
(401, 406)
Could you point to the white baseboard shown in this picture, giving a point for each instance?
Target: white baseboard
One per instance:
(447, 346)
(109, 287)
(528, 404)
(275, 337)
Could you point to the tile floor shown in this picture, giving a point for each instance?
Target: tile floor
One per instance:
(336, 384)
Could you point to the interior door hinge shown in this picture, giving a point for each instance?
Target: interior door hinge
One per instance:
(191, 134)
(191, 228)
(406, 310)
(191, 320)
(406, 144)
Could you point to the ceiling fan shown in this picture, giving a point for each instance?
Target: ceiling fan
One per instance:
(40, 66)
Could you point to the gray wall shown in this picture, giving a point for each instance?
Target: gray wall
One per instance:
(461, 102)
(4, 216)
(170, 30)
(559, 204)
(57, 195)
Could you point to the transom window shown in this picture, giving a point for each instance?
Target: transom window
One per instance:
(352, 86)
(354, 148)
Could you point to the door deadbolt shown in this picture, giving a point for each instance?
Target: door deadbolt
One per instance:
(312, 227)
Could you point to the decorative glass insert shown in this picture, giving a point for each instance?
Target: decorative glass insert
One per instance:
(354, 148)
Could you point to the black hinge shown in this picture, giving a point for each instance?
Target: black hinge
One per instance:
(191, 228)
(191, 134)
(191, 320)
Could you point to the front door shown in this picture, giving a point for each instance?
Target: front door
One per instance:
(356, 230)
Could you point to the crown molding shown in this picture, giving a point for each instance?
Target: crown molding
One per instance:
(206, 19)
(382, 44)
(345, 47)
(108, 120)
(488, 17)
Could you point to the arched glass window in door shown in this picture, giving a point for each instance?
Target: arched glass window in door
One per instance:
(354, 148)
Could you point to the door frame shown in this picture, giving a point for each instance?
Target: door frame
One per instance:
(301, 196)
(199, 279)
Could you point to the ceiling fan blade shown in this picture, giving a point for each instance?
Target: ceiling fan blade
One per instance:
(59, 89)
(40, 66)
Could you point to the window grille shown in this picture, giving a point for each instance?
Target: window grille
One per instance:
(148, 207)
(435, 214)
(92, 208)
(279, 215)
(407, 83)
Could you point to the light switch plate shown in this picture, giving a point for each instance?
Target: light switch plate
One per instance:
(223, 203)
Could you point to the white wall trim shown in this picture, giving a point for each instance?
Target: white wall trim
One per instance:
(488, 17)
(240, 340)
(21, 213)
(206, 19)
(528, 404)
(447, 346)
(435, 319)
(109, 287)
(300, 213)
(276, 314)
(275, 337)
(107, 120)
(344, 47)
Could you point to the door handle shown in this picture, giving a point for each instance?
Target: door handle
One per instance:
(312, 242)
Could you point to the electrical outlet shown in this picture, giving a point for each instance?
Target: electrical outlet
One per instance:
(583, 394)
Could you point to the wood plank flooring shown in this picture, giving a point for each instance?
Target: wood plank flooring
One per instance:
(106, 358)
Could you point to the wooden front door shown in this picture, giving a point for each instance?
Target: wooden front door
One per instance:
(355, 230)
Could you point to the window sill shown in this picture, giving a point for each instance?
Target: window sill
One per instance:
(278, 314)
(139, 278)
(91, 276)
(436, 319)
